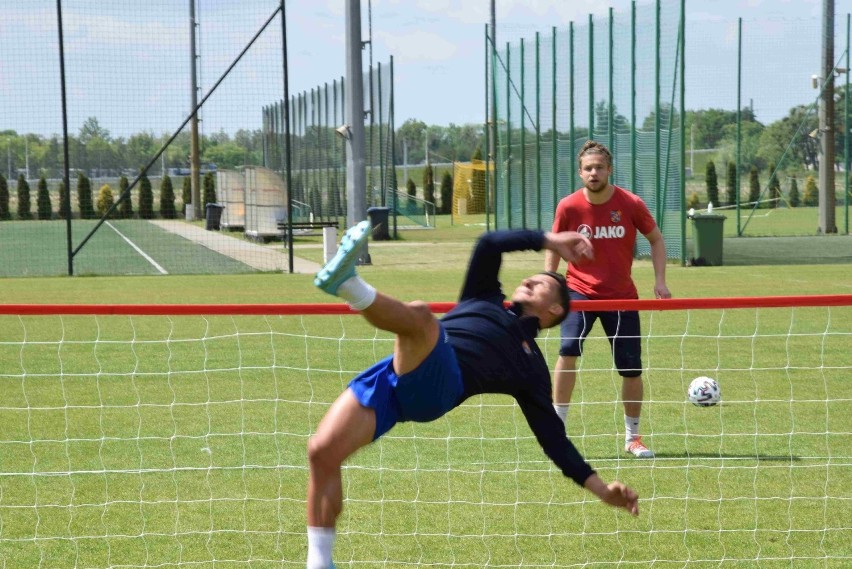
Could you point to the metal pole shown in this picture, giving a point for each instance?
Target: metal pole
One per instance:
(194, 158)
(827, 198)
(591, 63)
(571, 133)
(65, 167)
(488, 147)
(848, 131)
(522, 64)
(611, 111)
(508, 196)
(657, 136)
(554, 156)
(682, 131)
(493, 51)
(538, 130)
(395, 183)
(356, 182)
(739, 117)
(633, 128)
(381, 138)
(288, 173)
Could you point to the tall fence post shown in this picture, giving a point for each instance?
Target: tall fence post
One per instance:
(554, 139)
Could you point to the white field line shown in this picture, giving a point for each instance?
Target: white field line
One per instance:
(145, 255)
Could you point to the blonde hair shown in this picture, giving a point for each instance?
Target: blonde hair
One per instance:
(592, 147)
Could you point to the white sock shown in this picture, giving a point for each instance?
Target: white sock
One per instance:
(631, 427)
(561, 410)
(320, 545)
(357, 293)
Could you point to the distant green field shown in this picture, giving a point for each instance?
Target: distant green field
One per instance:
(39, 248)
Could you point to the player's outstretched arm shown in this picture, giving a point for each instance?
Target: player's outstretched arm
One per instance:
(615, 494)
(569, 245)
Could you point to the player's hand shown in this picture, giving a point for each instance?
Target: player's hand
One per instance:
(569, 245)
(621, 496)
(615, 494)
(661, 291)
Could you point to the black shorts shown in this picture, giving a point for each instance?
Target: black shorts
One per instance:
(622, 330)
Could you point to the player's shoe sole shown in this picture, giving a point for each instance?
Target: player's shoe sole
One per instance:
(638, 449)
(342, 266)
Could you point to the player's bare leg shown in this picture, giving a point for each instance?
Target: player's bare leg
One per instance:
(346, 427)
(564, 380)
(632, 393)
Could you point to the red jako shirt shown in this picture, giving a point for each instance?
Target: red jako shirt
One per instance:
(612, 228)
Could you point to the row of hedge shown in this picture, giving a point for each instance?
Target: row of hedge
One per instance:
(775, 194)
(105, 199)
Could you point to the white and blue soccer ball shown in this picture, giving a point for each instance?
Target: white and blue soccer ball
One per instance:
(704, 392)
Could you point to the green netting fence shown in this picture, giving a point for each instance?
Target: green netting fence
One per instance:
(616, 79)
(318, 152)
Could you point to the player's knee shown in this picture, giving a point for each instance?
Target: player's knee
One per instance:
(422, 317)
(321, 455)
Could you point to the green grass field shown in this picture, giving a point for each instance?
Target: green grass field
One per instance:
(166, 442)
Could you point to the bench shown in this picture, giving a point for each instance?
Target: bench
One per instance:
(283, 225)
(304, 227)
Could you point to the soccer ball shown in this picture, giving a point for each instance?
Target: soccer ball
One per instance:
(704, 392)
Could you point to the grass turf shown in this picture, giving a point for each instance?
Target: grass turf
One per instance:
(145, 442)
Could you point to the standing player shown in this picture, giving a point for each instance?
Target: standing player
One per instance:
(480, 346)
(610, 216)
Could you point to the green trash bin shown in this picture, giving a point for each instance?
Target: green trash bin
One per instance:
(707, 238)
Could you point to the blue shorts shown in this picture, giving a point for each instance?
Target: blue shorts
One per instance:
(423, 394)
(621, 327)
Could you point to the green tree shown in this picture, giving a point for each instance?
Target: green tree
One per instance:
(225, 155)
(186, 192)
(793, 194)
(125, 206)
(706, 125)
(4, 198)
(43, 204)
(731, 183)
(447, 193)
(63, 200)
(105, 199)
(412, 134)
(811, 197)
(429, 184)
(209, 190)
(712, 183)
(167, 198)
(411, 187)
(146, 198)
(774, 186)
(24, 198)
(749, 144)
(84, 197)
(753, 186)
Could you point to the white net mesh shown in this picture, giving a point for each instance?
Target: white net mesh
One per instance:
(154, 441)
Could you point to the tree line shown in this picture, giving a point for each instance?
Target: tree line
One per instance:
(88, 206)
(95, 152)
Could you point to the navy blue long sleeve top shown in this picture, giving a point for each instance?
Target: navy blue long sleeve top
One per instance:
(496, 350)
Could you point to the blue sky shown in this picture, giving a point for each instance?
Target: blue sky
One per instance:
(438, 49)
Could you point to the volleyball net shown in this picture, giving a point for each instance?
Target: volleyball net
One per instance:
(165, 436)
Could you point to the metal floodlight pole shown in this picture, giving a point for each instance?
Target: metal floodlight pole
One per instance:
(826, 123)
(288, 164)
(356, 182)
(194, 160)
(65, 167)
